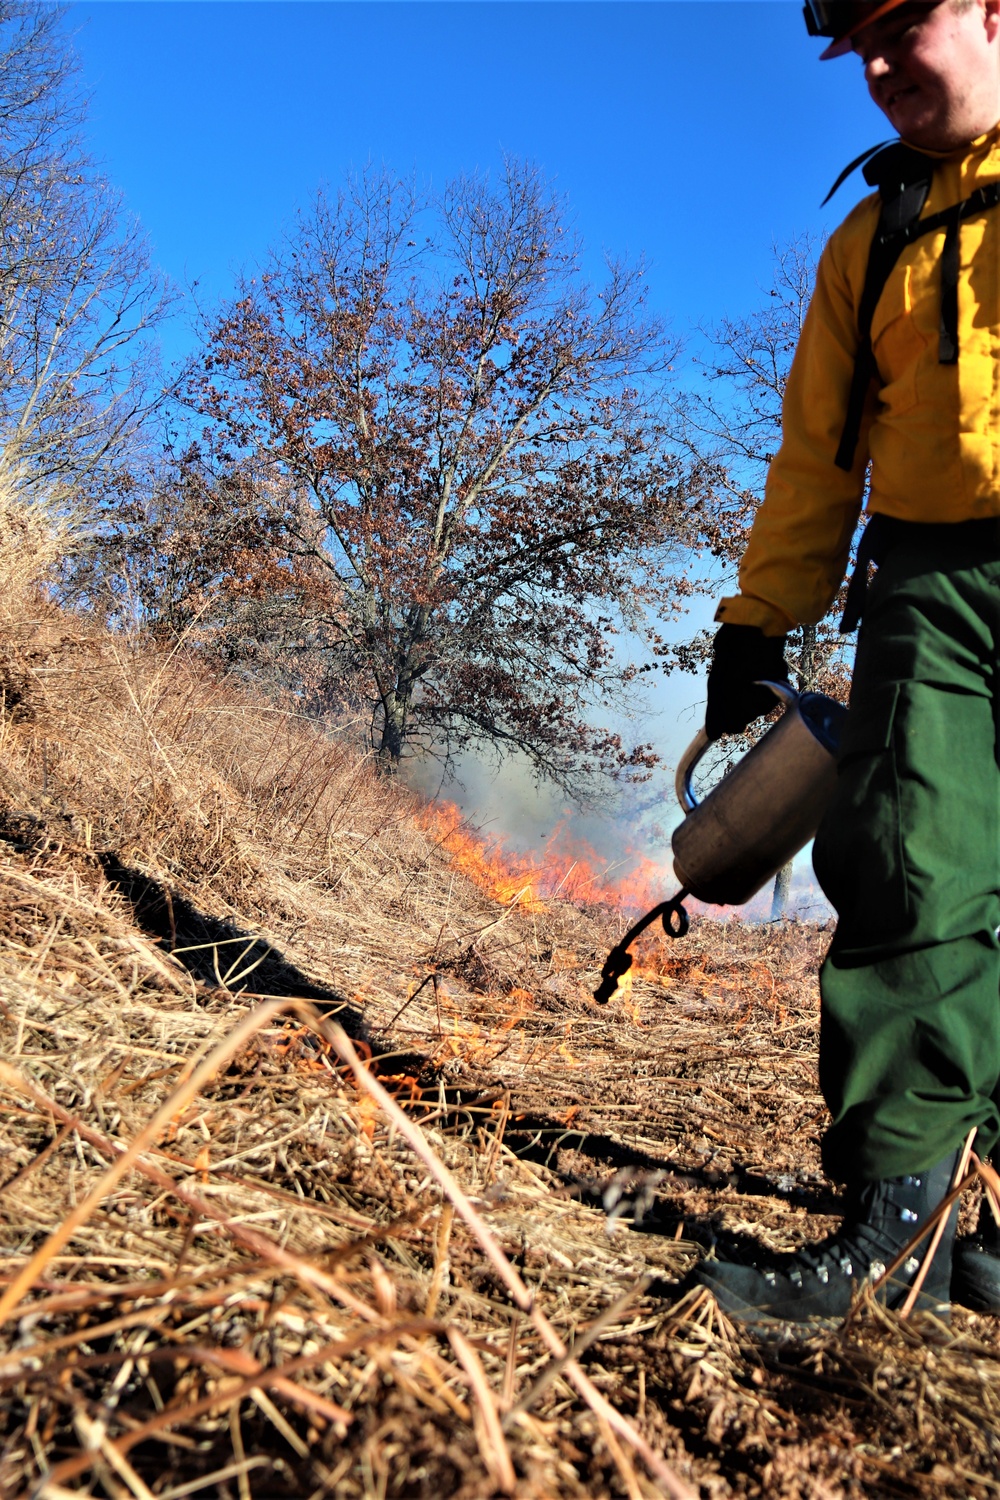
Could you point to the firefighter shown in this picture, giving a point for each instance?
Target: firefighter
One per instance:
(897, 376)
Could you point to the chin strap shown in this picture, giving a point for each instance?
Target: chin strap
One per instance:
(619, 960)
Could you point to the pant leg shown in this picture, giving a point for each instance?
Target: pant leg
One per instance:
(909, 856)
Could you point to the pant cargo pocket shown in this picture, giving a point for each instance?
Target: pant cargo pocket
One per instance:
(858, 852)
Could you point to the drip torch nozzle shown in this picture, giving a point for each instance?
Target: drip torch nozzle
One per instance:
(616, 966)
(619, 960)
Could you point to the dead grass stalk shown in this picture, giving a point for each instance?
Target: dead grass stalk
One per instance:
(323, 1174)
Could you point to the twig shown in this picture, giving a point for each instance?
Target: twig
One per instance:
(239, 1452)
(11, 1365)
(427, 979)
(937, 1217)
(918, 1280)
(625, 1469)
(175, 1416)
(171, 1106)
(42, 1157)
(440, 1259)
(583, 1341)
(267, 1406)
(239, 1362)
(489, 1166)
(991, 1185)
(337, 1037)
(95, 1439)
(510, 1371)
(492, 1443)
(238, 1471)
(272, 1254)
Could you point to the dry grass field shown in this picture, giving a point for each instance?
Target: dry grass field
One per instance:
(323, 1174)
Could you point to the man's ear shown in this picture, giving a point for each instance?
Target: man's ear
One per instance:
(991, 16)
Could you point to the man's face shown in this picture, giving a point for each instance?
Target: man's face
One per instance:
(934, 71)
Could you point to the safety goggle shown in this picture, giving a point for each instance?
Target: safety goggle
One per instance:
(829, 17)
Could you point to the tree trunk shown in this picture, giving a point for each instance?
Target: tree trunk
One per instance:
(390, 748)
(782, 886)
(808, 659)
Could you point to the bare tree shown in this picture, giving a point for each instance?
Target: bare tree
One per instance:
(78, 297)
(479, 491)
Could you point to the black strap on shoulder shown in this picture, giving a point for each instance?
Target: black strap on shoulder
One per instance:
(950, 220)
(950, 267)
(852, 166)
(903, 177)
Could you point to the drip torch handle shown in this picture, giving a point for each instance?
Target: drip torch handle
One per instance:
(688, 762)
(686, 768)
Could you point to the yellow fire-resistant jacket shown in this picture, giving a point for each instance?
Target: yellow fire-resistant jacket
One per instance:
(932, 432)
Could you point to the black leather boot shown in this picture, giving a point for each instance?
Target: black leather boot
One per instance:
(975, 1266)
(821, 1280)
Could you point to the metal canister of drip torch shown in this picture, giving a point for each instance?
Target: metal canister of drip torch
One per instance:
(765, 809)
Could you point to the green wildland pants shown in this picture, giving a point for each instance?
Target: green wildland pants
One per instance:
(909, 855)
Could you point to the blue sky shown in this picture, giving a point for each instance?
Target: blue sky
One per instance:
(696, 133)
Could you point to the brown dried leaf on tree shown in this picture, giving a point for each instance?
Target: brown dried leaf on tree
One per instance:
(445, 456)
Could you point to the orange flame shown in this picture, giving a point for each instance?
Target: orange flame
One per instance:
(568, 869)
(505, 876)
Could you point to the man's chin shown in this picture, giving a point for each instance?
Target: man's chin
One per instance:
(932, 138)
(918, 128)
(906, 116)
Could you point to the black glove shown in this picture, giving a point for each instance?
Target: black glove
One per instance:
(743, 656)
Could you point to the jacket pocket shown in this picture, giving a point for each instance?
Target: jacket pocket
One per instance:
(897, 342)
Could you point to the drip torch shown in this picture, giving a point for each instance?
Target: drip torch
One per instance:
(751, 823)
